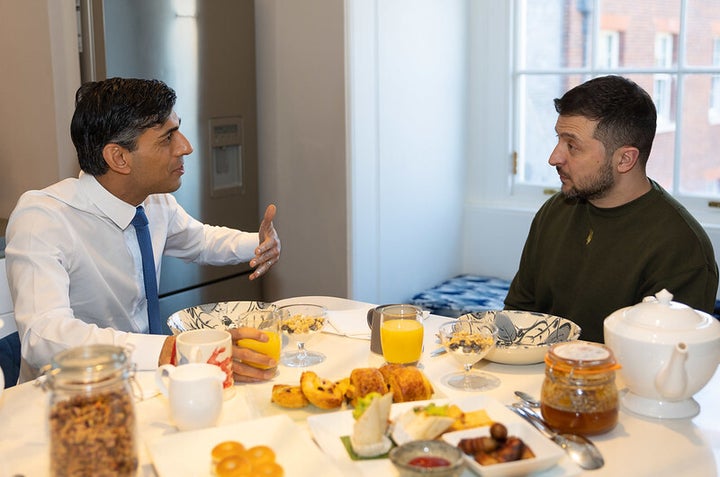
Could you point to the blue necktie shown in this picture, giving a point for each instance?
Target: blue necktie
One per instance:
(140, 222)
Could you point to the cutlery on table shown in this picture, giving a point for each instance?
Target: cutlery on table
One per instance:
(528, 399)
(580, 449)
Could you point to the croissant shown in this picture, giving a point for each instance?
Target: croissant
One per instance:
(407, 383)
(363, 381)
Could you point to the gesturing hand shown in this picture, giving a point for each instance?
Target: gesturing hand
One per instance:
(268, 252)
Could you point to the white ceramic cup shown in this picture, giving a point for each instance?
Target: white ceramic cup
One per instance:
(195, 393)
(207, 345)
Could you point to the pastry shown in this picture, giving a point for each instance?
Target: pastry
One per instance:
(364, 381)
(407, 383)
(288, 396)
(225, 449)
(321, 392)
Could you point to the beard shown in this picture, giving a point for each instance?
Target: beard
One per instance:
(596, 187)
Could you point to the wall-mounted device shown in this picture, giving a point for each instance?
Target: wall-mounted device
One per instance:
(226, 148)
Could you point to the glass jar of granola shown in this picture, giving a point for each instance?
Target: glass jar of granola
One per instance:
(579, 394)
(91, 412)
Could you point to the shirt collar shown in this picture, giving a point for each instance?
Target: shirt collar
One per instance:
(114, 208)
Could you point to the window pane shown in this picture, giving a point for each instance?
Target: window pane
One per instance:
(536, 128)
(703, 25)
(547, 25)
(700, 167)
(638, 22)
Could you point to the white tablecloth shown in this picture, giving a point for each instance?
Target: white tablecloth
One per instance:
(638, 446)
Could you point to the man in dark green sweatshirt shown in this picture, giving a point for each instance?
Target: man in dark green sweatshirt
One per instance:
(612, 236)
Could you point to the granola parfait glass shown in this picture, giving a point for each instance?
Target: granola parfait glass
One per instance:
(468, 342)
(299, 323)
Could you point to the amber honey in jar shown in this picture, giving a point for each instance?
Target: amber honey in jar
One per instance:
(579, 394)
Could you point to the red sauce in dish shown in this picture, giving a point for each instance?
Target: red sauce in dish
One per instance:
(429, 461)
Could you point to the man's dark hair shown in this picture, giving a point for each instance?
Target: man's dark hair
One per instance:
(116, 110)
(625, 113)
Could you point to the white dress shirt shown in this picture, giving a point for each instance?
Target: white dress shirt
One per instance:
(75, 270)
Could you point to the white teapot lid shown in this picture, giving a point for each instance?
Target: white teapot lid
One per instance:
(661, 313)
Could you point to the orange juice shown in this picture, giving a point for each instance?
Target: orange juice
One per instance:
(401, 341)
(270, 348)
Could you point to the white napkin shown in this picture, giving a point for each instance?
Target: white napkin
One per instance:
(145, 386)
(350, 323)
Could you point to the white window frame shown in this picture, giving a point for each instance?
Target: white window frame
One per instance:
(608, 49)
(663, 82)
(714, 109)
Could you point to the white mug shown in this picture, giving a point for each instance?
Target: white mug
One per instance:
(195, 393)
(207, 345)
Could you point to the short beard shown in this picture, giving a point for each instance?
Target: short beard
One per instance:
(598, 187)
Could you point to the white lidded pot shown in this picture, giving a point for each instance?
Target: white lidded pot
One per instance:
(668, 352)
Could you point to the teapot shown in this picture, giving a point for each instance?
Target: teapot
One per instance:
(668, 352)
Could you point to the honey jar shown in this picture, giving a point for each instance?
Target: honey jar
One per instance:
(579, 394)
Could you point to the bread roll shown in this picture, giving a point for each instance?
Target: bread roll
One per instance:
(407, 383)
(364, 381)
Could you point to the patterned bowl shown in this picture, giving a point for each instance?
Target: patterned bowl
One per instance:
(224, 314)
(525, 336)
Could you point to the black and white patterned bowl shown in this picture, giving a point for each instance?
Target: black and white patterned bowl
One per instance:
(223, 315)
(524, 336)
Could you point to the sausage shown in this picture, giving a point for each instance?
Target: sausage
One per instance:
(476, 445)
(511, 451)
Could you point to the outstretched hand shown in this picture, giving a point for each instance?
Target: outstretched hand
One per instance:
(268, 252)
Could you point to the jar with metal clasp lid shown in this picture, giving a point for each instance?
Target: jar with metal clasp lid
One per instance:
(92, 421)
(579, 394)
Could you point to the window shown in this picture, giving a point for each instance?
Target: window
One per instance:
(662, 91)
(609, 49)
(714, 112)
(669, 47)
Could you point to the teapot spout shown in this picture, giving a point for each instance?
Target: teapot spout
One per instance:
(672, 379)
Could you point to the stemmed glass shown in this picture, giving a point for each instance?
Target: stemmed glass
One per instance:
(300, 323)
(469, 342)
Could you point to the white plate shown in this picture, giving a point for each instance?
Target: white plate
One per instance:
(188, 453)
(547, 454)
(328, 428)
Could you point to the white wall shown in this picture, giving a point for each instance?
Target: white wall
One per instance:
(407, 114)
(37, 93)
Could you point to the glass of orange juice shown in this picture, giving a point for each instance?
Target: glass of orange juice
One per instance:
(401, 334)
(266, 320)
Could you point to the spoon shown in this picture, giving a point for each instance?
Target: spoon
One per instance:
(580, 449)
(529, 400)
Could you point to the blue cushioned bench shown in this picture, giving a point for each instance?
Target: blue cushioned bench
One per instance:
(463, 294)
(471, 293)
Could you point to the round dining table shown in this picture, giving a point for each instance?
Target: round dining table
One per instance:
(637, 446)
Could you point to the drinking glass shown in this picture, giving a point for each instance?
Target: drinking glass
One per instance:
(301, 322)
(469, 342)
(401, 334)
(266, 320)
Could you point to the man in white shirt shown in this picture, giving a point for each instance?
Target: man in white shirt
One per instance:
(73, 260)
